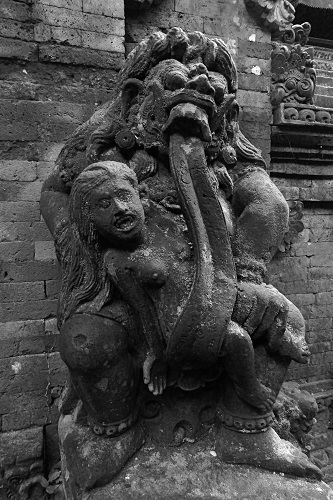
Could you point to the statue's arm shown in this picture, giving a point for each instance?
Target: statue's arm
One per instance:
(261, 219)
(54, 202)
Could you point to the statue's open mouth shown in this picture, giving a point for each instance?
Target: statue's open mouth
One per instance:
(203, 101)
(125, 222)
(189, 119)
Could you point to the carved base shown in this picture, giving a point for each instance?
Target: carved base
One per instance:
(193, 472)
(179, 427)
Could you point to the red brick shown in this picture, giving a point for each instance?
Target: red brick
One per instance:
(15, 29)
(29, 271)
(44, 169)
(18, 446)
(67, 18)
(257, 83)
(17, 49)
(254, 49)
(21, 329)
(24, 231)
(23, 373)
(18, 170)
(9, 9)
(28, 310)
(17, 250)
(80, 56)
(104, 7)
(200, 7)
(33, 121)
(74, 4)
(29, 410)
(58, 372)
(52, 289)
(20, 191)
(22, 292)
(19, 211)
(44, 250)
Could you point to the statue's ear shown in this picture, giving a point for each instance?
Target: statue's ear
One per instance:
(232, 120)
(233, 113)
(144, 196)
(130, 90)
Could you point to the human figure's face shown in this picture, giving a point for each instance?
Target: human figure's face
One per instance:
(117, 211)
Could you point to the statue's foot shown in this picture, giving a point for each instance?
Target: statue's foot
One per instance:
(258, 395)
(88, 460)
(266, 450)
(297, 351)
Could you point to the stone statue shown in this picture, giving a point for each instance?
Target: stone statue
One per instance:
(164, 220)
(275, 15)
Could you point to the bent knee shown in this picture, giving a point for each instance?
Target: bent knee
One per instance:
(87, 341)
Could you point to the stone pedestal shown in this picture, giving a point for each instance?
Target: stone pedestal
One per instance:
(193, 472)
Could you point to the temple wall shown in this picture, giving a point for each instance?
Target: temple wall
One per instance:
(58, 62)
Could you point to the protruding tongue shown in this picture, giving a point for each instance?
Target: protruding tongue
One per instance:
(197, 336)
(189, 119)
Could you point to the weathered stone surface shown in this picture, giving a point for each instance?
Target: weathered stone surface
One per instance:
(13, 49)
(194, 472)
(21, 445)
(85, 455)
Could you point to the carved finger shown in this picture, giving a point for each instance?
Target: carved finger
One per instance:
(278, 328)
(256, 315)
(268, 319)
(245, 303)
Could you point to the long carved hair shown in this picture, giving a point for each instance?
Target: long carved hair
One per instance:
(85, 284)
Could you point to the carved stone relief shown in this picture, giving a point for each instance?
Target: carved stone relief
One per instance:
(164, 220)
(293, 75)
(275, 15)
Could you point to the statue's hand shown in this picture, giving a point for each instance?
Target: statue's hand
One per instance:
(154, 373)
(262, 311)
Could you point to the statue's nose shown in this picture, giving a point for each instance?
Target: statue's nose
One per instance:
(201, 84)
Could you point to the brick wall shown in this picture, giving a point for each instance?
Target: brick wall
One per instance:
(58, 62)
(305, 273)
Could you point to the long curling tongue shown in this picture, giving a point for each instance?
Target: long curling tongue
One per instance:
(197, 336)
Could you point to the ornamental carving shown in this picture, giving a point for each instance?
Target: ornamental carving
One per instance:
(164, 221)
(293, 75)
(302, 114)
(276, 15)
(298, 33)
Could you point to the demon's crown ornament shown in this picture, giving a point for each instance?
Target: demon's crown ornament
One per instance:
(164, 220)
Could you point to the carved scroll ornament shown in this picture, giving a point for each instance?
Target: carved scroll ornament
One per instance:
(293, 75)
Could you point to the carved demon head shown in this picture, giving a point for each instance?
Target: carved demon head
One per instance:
(170, 82)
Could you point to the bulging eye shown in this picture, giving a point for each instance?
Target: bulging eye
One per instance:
(175, 80)
(104, 203)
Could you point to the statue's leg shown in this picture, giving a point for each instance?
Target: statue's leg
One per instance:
(106, 379)
(245, 435)
(103, 372)
(239, 363)
(261, 220)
